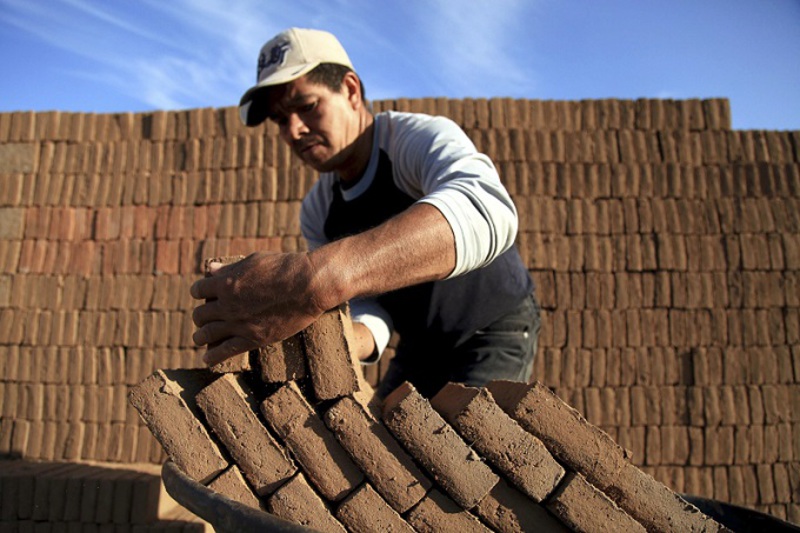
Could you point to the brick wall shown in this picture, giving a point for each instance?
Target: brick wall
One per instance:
(665, 247)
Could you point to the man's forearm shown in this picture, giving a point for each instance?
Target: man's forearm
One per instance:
(411, 248)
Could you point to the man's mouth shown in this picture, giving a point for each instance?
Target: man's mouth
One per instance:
(304, 147)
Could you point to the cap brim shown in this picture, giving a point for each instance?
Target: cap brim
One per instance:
(253, 105)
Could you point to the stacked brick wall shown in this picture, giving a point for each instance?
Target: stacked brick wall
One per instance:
(665, 247)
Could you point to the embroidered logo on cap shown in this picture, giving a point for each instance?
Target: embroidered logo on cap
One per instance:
(277, 55)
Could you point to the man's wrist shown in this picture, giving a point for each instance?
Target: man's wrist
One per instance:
(328, 288)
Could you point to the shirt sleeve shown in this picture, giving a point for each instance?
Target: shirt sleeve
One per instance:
(437, 161)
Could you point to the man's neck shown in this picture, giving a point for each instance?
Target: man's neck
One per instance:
(351, 173)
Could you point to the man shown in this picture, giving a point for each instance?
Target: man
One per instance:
(408, 222)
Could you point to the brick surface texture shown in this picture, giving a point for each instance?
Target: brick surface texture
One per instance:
(665, 247)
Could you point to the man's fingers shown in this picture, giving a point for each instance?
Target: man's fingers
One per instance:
(225, 350)
(211, 333)
(203, 289)
(205, 313)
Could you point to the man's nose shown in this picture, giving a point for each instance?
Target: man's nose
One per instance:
(296, 127)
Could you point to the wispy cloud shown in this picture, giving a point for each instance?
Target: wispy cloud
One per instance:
(474, 44)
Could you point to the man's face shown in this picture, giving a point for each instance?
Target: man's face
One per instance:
(319, 125)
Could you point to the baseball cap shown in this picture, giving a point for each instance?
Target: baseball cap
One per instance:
(284, 58)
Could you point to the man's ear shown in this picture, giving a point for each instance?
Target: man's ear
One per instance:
(351, 85)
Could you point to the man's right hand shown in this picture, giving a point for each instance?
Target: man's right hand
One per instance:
(257, 301)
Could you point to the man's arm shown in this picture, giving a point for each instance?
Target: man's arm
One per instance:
(268, 297)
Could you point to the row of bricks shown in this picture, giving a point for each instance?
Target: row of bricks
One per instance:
(131, 157)
(691, 114)
(551, 181)
(675, 290)
(89, 365)
(91, 293)
(758, 487)
(225, 405)
(131, 329)
(79, 441)
(567, 367)
(71, 403)
(621, 291)
(135, 256)
(712, 218)
(219, 400)
(690, 406)
(714, 446)
(72, 492)
(760, 447)
(252, 219)
(636, 146)
(186, 523)
(515, 145)
(717, 219)
(678, 329)
(156, 189)
(769, 173)
(540, 251)
(742, 180)
(659, 251)
(666, 366)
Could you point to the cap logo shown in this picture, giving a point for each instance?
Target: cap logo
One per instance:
(277, 55)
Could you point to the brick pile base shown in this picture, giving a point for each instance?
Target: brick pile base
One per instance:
(295, 431)
(76, 497)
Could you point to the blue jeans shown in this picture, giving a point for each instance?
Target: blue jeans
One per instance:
(503, 350)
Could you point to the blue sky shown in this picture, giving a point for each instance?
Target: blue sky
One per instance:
(139, 55)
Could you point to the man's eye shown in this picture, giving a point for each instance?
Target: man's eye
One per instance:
(279, 120)
(308, 107)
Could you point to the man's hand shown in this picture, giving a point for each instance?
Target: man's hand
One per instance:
(261, 299)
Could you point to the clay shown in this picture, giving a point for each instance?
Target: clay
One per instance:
(327, 465)
(229, 410)
(457, 469)
(390, 469)
(516, 454)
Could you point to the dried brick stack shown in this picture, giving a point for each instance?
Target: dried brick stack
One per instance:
(511, 457)
(665, 246)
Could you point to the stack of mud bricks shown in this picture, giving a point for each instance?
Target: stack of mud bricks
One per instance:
(293, 430)
(65, 496)
(665, 246)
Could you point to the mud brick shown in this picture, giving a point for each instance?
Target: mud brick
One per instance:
(365, 511)
(282, 361)
(232, 484)
(437, 447)
(171, 420)
(437, 512)
(330, 362)
(583, 507)
(231, 413)
(297, 502)
(750, 485)
(48, 493)
(507, 510)
(604, 463)
(780, 476)
(517, 454)
(387, 465)
(324, 461)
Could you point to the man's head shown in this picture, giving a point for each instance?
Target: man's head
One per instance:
(288, 56)
(315, 98)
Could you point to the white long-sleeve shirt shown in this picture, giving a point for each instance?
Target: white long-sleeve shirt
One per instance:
(433, 161)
